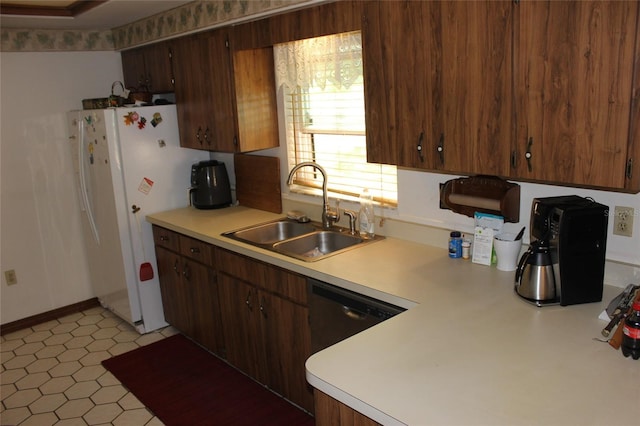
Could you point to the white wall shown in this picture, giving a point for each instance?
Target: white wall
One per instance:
(39, 212)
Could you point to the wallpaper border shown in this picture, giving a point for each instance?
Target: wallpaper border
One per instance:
(197, 15)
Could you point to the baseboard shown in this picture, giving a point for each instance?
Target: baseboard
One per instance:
(48, 316)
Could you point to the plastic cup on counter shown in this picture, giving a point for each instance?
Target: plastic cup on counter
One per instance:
(507, 251)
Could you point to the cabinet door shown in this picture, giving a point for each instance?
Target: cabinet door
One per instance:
(159, 68)
(175, 292)
(133, 68)
(574, 83)
(402, 83)
(255, 98)
(149, 67)
(447, 70)
(170, 277)
(200, 290)
(221, 135)
(476, 86)
(241, 326)
(287, 340)
(191, 67)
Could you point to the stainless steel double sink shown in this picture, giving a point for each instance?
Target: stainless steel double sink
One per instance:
(302, 240)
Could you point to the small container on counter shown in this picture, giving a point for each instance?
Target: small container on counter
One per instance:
(455, 245)
(466, 249)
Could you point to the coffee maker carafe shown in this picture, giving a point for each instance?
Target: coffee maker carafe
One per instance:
(535, 279)
(565, 262)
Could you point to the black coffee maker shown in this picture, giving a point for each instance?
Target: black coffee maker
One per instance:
(565, 262)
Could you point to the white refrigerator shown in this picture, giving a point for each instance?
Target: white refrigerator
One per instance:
(128, 163)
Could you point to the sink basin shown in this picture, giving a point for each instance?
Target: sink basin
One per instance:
(273, 232)
(317, 245)
(304, 241)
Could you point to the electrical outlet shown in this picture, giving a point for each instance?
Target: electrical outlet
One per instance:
(623, 221)
(11, 277)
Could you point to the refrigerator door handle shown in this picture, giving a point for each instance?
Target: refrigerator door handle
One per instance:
(83, 184)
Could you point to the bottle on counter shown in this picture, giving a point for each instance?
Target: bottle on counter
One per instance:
(466, 249)
(366, 216)
(631, 332)
(455, 245)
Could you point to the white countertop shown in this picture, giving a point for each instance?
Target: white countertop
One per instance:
(467, 352)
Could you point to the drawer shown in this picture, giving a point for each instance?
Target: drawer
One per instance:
(268, 277)
(197, 250)
(165, 238)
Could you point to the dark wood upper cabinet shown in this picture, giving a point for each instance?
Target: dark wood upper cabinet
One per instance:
(477, 102)
(226, 101)
(541, 91)
(149, 67)
(437, 85)
(538, 91)
(574, 86)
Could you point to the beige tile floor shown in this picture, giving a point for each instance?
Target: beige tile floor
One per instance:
(52, 374)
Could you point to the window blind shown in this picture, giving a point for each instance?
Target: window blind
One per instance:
(324, 116)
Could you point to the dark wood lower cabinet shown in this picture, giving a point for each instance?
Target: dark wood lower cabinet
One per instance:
(330, 412)
(251, 313)
(189, 288)
(266, 334)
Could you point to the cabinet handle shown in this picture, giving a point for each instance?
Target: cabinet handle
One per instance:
(164, 238)
(198, 134)
(528, 154)
(247, 301)
(419, 147)
(263, 311)
(194, 250)
(207, 139)
(440, 149)
(175, 267)
(629, 171)
(186, 272)
(514, 159)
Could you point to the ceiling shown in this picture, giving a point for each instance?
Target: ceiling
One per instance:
(79, 14)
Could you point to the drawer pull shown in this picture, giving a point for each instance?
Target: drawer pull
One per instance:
(164, 238)
(194, 250)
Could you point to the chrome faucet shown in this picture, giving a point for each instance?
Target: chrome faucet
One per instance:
(329, 216)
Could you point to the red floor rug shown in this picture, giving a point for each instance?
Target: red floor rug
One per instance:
(182, 384)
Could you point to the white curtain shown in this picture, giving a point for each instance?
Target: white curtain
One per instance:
(314, 62)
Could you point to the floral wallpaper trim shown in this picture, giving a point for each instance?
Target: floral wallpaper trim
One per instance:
(27, 40)
(197, 15)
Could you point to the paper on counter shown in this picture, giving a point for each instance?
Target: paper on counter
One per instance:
(482, 245)
(486, 226)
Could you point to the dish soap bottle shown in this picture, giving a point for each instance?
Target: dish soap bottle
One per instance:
(366, 216)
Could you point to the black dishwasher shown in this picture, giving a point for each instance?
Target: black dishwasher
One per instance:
(336, 313)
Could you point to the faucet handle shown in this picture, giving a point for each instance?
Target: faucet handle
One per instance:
(352, 220)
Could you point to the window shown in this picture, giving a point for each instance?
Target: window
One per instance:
(321, 83)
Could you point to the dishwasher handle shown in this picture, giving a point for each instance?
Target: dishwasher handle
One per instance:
(353, 314)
